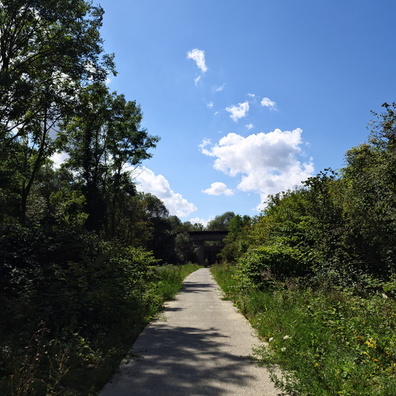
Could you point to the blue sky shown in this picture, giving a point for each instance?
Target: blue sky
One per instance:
(249, 98)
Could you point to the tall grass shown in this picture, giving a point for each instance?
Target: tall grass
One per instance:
(325, 342)
(170, 279)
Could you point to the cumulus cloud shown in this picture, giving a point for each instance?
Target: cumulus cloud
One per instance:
(266, 163)
(147, 181)
(267, 102)
(218, 188)
(205, 142)
(198, 56)
(249, 126)
(238, 111)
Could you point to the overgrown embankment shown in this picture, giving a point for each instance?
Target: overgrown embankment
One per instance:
(74, 309)
(326, 342)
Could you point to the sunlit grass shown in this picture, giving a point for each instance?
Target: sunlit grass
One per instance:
(325, 342)
(170, 279)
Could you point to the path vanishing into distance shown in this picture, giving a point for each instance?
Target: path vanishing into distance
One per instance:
(200, 346)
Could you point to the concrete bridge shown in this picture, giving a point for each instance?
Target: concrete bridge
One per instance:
(207, 252)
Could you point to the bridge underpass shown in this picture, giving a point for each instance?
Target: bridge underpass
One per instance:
(207, 249)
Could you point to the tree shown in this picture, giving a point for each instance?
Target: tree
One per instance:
(102, 140)
(220, 223)
(236, 242)
(371, 195)
(45, 43)
(48, 50)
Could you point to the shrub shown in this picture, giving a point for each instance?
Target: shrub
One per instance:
(260, 266)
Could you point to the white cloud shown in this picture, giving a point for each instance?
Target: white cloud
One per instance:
(210, 105)
(249, 126)
(219, 88)
(198, 56)
(197, 80)
(197, 220)
(238, 111)
(205, 142)
(218, 188)
(158, 185)
(267, 102)
(59, 159)
(266, 163)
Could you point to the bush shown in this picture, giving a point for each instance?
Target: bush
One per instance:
(81, 294)
(263, 265)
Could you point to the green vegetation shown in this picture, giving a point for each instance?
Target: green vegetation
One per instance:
(75, 353)
(325, 343)
(170, 279)
(85, 258)
(82, 254)
(315, 274)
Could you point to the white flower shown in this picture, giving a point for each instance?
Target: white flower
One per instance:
(283, 349)
(271, 339)
(286, 337)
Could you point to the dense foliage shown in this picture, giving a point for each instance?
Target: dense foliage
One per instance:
(81, 250)
(320, 342)
(315, 273)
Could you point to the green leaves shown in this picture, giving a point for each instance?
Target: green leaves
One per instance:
(102, 140)
(263, 266)
(48, 52)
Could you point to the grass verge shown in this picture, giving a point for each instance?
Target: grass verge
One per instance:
(325, 342)
(170, 279)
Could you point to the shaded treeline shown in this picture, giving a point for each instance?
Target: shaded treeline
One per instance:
(79, 246)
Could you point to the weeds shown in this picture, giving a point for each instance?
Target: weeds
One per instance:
(170, 279)
(324, 342)
(70, 363)
(39, 368)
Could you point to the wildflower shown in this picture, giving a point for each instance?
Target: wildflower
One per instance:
(286, 337)
(371, 343)
(316, 364)
(283, 349)
(271, 339)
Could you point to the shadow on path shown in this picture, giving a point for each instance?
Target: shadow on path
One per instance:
(200, 349)
(188, 361)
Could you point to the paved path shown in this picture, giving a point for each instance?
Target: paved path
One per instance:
(200, 347)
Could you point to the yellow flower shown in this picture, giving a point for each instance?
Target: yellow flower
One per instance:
(371, 343)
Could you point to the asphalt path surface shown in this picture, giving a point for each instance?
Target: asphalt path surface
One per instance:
(200, 346)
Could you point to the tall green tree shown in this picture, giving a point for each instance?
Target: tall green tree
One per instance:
(370, 177)
(102, 140)
(48, 51)
(45, 43)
